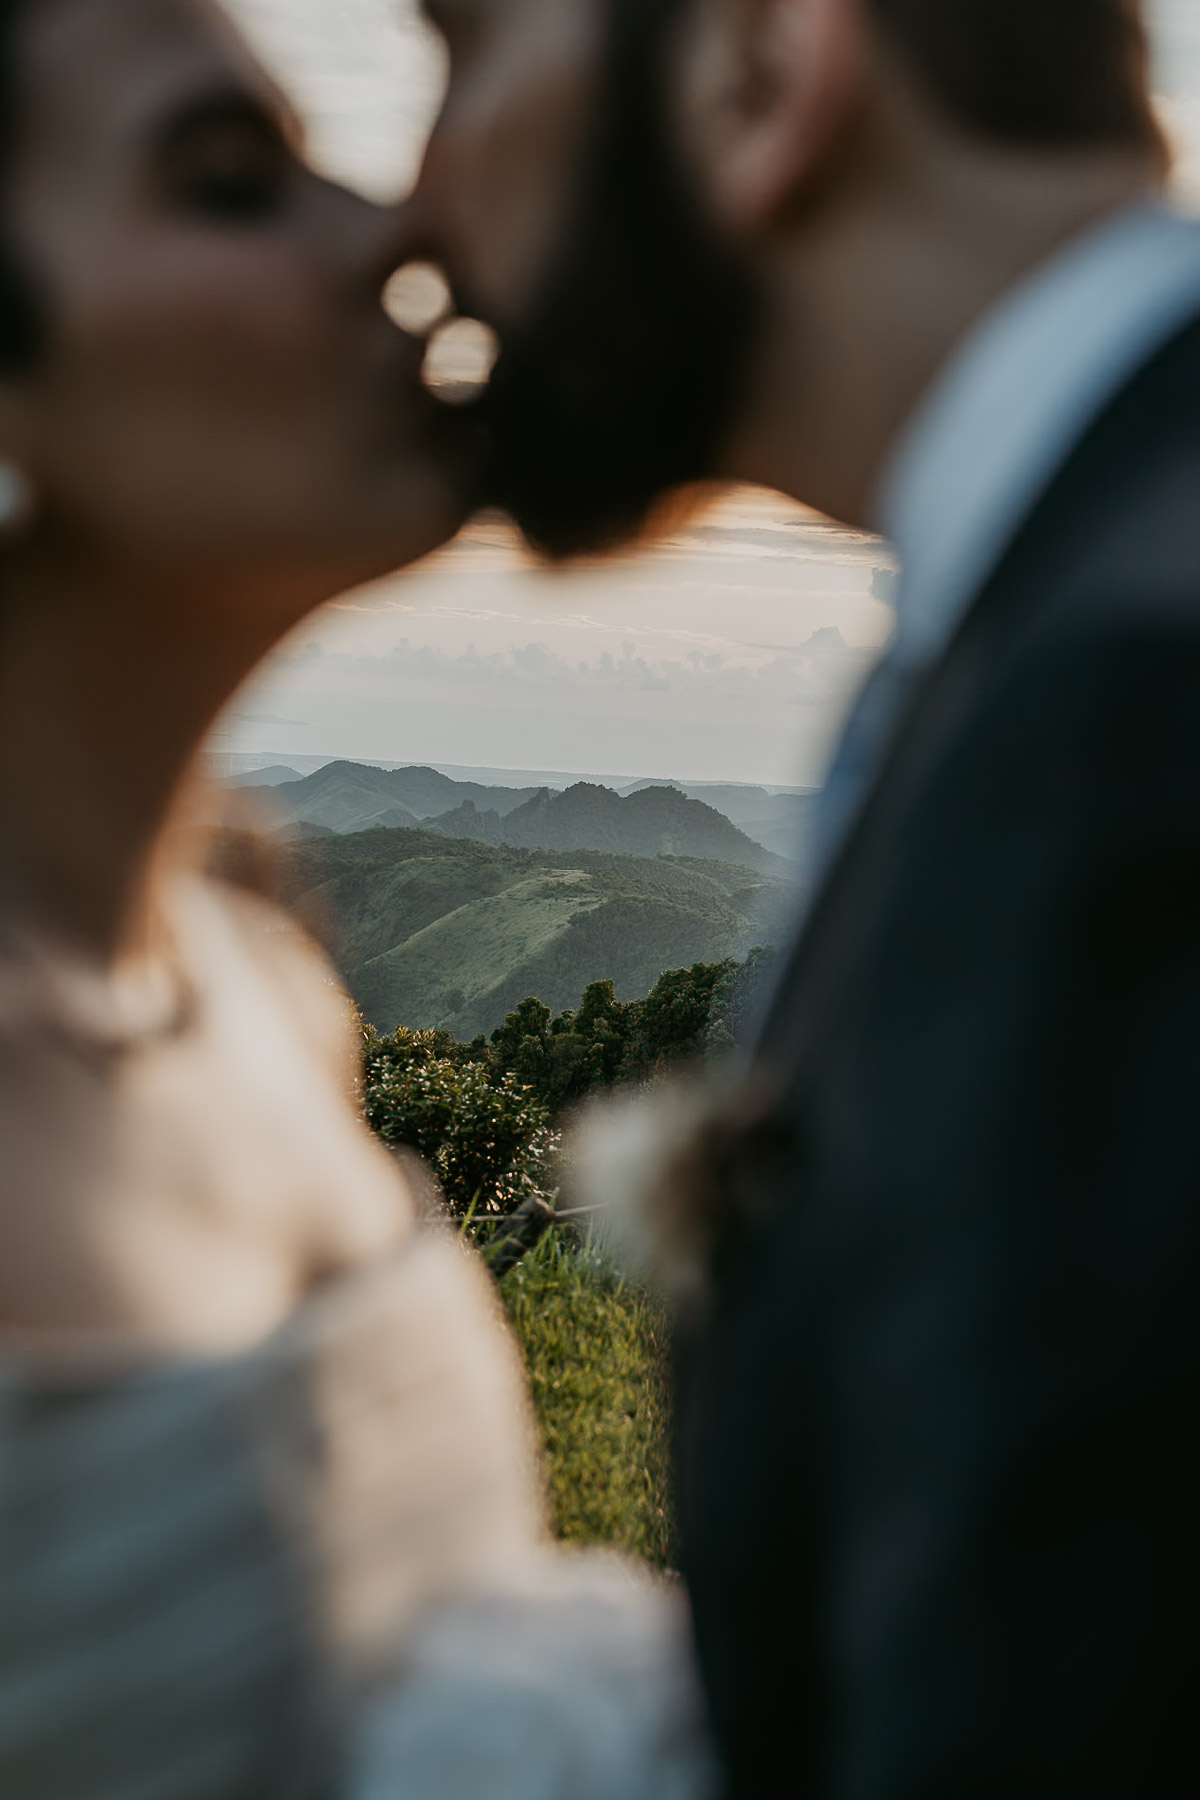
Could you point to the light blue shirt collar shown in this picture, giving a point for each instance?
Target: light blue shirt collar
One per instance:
(1014, 402)
(996, 427)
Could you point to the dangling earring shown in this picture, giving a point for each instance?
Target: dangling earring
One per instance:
(18, 499)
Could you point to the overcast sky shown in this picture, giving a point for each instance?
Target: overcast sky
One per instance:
(729, 653)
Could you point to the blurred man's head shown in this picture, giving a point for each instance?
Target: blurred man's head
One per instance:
(696, 223)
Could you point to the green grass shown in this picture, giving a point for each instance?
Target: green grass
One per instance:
(596, 1348)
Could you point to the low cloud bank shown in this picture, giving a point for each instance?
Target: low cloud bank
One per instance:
(765, 714)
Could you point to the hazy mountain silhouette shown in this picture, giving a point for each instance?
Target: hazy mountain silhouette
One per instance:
(654, 821)
(725, 821)
(274, 775)
(779, 822)
(349, 796)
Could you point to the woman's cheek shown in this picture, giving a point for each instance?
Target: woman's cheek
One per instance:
(264, 319)
(207, 383)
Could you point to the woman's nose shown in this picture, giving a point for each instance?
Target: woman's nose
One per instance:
(403, 268)
(365, 240)
(413, 229)
(388, 241)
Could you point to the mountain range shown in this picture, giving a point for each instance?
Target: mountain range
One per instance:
(778, 821)
(347, 796)
(649, 819)
(652, 822)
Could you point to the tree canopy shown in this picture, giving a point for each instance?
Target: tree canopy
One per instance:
(483, 1113)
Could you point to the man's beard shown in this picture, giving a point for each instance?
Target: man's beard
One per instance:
(627, 378)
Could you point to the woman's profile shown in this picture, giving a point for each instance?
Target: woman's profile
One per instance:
(270, 1520)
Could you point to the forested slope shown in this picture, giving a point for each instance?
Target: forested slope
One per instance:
(431, 931)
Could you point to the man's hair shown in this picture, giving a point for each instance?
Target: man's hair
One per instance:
(1042, 74)
(21, 317)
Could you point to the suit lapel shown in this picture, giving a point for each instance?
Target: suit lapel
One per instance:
(1021, 594)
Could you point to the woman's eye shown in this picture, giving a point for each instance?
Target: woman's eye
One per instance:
(234, 175)
(234, 195)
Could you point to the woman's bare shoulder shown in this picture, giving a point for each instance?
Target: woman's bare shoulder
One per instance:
(273, 982)
(261, 940)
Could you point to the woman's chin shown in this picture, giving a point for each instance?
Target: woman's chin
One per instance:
(423, 535)
(387, 531)
(398, 546)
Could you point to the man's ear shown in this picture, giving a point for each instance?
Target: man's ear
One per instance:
(767, 86)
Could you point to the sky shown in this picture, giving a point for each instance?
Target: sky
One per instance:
(729, 652)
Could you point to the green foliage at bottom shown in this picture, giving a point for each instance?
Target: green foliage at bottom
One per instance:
(596, 1348)
(484, 1134)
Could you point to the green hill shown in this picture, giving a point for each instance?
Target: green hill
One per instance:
(439, 931)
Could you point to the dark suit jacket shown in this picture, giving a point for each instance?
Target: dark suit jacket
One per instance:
(939, 1432)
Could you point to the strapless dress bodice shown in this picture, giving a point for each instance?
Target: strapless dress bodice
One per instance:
(317, 1571)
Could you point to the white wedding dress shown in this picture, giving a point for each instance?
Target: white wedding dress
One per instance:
(319, 1572)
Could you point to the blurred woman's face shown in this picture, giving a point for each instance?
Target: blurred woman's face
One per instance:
(220, 392)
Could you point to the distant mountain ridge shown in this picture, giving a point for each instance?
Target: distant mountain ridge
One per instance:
(650, 819)
(779, 822)
(243, 770)
(654, 821)
(270, 775)
(348, 796)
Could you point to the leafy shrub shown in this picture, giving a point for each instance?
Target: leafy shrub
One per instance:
(481, 1114)
(425, 1088)
(486, 1135)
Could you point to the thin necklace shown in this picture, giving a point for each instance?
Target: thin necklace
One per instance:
(47, 992)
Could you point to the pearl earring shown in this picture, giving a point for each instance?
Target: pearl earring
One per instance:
(17, 497)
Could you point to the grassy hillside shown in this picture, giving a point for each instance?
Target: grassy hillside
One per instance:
(431, 931)
(447, 972)
(597, 1350)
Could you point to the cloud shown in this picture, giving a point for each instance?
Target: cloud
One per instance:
(884, 583)
(741, 714)
(821, 667)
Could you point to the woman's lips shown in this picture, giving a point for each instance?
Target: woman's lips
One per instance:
(459, 360)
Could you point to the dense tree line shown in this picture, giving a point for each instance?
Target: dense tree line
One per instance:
(484, 1114)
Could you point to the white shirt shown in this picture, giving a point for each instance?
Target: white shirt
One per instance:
(998, 424)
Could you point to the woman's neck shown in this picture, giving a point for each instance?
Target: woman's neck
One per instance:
(106, 694)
